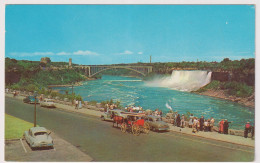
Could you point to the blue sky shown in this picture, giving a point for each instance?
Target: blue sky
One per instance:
(107, 34)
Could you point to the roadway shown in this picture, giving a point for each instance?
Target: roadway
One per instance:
(104, 143)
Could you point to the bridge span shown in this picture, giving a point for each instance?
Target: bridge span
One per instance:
(92, 70)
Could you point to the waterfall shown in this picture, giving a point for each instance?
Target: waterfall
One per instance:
(183, 80)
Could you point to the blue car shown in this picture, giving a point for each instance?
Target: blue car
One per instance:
(30, 100)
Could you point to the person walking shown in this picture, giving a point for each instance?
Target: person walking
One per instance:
(221, 126)
(247, 129)
(201, 123)
(191, 120)
(211, 124)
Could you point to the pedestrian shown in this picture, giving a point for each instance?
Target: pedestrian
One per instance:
(182, 121)
(175, 118)
(194, 126)
(225, 126)
(191, 120)
(221, 126)
(160, 113)
(201, 123)
(76, 104)
(178, 120)
(205, 126)
(211, 124)
(247, 129)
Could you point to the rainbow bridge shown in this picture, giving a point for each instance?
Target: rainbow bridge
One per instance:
(93, 70)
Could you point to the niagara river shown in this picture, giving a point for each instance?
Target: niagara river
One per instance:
(162, 95)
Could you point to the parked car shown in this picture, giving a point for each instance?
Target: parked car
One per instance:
(30, 100)
(108, 115)
(156, 123)
(38, 137)
(48, 103)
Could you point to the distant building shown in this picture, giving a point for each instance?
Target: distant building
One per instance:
(70, 62)
(45, 60)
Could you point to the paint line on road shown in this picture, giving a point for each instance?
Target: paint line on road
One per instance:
(23, 146)
(210, 143)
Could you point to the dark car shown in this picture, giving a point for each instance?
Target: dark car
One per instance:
(156, 123)
(30, 100)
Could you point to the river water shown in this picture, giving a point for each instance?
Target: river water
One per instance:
(133, 91)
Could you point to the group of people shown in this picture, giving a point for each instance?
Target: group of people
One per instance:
(110, 107)
(158, 113)
(200, 124)
(223, 126)
(134, 108)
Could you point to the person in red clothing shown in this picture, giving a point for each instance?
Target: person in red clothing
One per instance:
(247, 128)
(221, 126)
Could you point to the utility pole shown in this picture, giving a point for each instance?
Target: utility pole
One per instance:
(35, 97)
(150, 59)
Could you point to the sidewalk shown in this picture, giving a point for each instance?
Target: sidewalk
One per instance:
(210, 135)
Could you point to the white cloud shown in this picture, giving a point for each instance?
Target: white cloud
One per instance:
(32, 54)
(140, 53)
(80, 52)
(126, 52)
(63, 53)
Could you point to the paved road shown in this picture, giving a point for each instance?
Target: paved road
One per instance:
(104, 143)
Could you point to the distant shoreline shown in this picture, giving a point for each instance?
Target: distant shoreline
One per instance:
(246, 101)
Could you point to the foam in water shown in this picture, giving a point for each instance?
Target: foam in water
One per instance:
(183, 80)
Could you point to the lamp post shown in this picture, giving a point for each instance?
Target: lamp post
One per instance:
(35, 96)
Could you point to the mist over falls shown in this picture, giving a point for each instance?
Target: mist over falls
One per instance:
(182, 80)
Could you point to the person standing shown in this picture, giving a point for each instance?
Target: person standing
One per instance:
(212, 121)
(191, 120)
(247, 128)
(221, 126)
(194, 126)
(76, 104)
(225, 126)
(182, 121)
(205, 126)
(178, 120)
(201, 123)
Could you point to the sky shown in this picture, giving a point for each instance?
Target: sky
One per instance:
(112, 34)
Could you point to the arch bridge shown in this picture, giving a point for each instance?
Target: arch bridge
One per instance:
(96, 69)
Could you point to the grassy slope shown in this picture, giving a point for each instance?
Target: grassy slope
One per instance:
(15, 127)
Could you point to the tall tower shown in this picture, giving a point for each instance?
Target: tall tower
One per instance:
(70, 62)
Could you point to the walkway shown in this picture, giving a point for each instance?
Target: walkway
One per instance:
(209, 135)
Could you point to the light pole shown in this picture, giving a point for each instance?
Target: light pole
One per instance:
(35, 96)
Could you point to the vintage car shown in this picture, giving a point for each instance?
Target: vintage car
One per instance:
(156, 123)
(38, 137)
(48, 103)
(108, 116)
(30, 100)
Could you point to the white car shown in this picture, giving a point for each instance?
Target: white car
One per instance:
(38, 137)
(48, 103)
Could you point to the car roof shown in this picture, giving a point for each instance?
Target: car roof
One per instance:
(38, 129)
(152, 116)
(117, 110)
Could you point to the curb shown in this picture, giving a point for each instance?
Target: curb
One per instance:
(214, 139)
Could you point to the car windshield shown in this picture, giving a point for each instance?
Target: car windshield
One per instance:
(40, 133)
